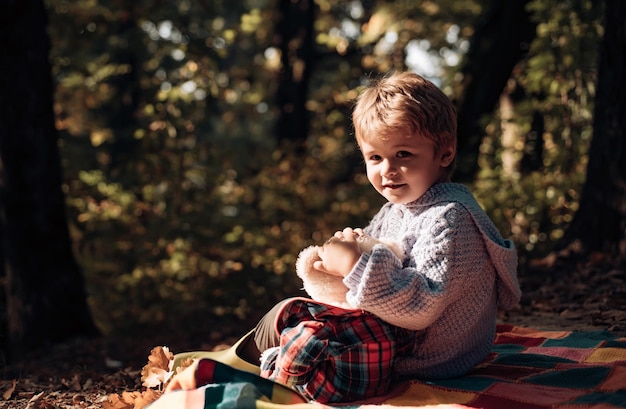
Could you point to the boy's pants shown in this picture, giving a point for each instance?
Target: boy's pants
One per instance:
(264, 337)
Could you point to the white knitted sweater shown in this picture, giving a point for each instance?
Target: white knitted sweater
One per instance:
(457, 270)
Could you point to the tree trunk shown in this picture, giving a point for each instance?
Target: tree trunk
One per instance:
(44, 289)
(295, 35)
(500, 41)
(600, 222)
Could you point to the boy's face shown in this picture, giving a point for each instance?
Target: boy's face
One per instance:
(403, 169)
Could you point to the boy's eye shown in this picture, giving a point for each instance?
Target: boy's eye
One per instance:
(375, 157)
(403, 154)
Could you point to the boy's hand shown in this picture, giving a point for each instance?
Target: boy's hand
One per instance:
(186, 379)
(339, 254)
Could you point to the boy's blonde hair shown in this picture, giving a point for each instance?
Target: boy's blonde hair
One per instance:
(405, 104)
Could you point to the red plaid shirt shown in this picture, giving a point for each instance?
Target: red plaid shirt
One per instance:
(332, 354)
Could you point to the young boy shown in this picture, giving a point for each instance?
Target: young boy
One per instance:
(443, 295)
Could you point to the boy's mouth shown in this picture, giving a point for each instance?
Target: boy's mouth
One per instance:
(393, 185)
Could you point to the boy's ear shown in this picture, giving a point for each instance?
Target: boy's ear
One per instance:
(447, 156)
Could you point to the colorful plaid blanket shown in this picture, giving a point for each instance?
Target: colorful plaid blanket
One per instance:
(527, 368)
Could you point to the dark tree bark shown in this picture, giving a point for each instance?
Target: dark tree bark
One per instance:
(44, 289)
(600, 222)
(501, 40)
(295, 34)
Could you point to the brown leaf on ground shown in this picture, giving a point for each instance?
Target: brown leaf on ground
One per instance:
(154, 377)
(158, 370)
(36, 401)
(131, 400)
(124, 401)
(9, 391)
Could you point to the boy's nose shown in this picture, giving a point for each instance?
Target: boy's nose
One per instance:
(389, 168)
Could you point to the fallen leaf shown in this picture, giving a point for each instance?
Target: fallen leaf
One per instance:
(34, 401)
(78, 398)
(88, 384)
(158, 370)
(7, 394)
(73, 384)
(154, 377)
(571, 315)
(124, 401)
(146, 398)
(161, 357)
(131, 400)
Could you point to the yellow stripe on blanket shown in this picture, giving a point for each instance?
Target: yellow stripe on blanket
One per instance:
(607, 355)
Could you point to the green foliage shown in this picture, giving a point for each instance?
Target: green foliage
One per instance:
(559, 78)
(181, 201)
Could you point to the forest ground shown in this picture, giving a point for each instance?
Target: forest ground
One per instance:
(84, 373)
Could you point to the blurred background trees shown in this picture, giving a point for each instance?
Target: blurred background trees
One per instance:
(205, 143)
(43, 299)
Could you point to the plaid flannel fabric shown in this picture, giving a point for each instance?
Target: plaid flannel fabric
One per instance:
(332, 354)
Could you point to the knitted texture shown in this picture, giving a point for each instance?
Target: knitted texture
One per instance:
(457, 272)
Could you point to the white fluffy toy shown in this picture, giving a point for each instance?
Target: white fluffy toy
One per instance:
(328, 288)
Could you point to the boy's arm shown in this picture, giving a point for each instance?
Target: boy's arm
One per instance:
(415, 294)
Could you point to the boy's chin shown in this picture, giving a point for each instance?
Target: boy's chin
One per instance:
(400, 199)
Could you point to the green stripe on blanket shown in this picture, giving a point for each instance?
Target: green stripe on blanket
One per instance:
(527, 369)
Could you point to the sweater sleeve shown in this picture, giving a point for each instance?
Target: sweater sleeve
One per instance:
(414, 293)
